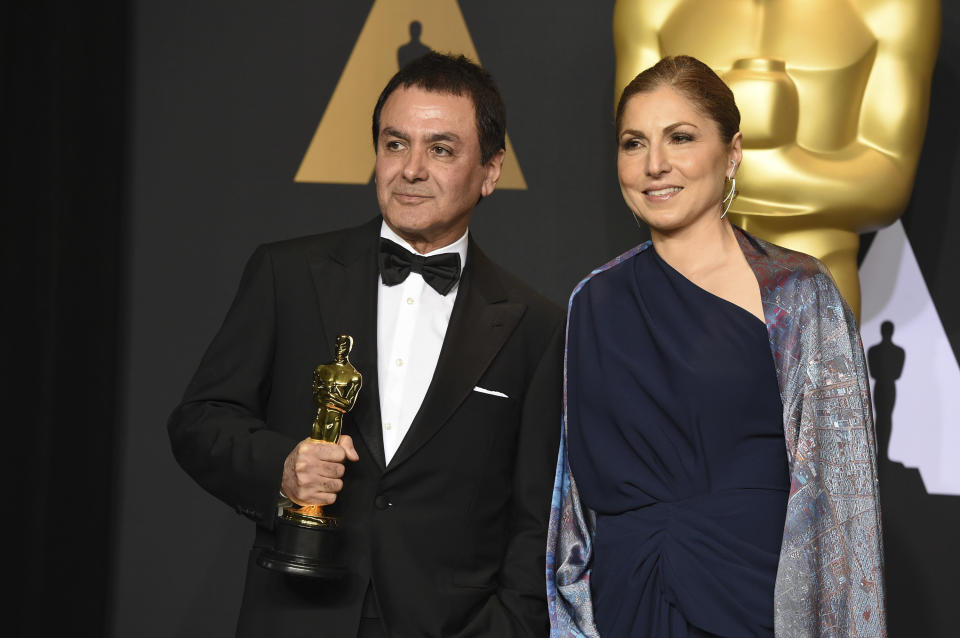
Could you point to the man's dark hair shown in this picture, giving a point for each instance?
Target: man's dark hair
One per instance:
(454, 75)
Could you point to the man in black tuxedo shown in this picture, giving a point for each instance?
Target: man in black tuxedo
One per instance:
(444, 473)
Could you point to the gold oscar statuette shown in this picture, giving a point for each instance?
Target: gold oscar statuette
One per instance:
(307, 540)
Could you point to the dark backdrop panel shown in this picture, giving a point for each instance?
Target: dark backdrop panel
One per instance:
(932, 218)
(922, 558)
(62, 137)
(227, 96)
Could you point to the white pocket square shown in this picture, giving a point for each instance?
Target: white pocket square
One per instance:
(490, 392)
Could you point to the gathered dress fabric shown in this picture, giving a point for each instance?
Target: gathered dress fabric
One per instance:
(676, 442)
(716, 473)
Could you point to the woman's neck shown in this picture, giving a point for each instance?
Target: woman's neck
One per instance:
(699, 248)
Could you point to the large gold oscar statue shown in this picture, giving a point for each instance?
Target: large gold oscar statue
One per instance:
(833, 96)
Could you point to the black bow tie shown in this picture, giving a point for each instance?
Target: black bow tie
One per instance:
(439, 271)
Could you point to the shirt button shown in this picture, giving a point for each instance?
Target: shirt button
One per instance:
(387, 425)
(399, 362)
(409, 301)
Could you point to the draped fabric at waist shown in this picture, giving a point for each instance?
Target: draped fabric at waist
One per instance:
(702, 560)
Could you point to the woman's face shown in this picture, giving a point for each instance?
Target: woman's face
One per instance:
(672, 161)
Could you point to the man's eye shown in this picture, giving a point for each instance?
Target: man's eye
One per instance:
(442, 151)
(393, 145)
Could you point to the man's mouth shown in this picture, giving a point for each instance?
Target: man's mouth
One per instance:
(410, 197)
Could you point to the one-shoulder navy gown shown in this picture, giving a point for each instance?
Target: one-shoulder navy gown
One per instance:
(676, 442)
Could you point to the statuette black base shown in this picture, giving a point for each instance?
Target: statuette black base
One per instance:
(302, 550)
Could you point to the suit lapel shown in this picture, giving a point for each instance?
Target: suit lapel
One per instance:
(481, 321)
(346, 285)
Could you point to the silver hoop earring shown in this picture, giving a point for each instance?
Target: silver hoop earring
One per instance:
(729, 198)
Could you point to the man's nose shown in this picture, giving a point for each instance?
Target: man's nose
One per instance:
(415, 168)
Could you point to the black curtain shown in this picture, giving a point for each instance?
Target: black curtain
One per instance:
(64, 104)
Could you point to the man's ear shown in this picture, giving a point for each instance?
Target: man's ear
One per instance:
(492, 173)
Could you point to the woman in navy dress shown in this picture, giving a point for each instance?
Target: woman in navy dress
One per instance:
(718, 472)
(674, 415)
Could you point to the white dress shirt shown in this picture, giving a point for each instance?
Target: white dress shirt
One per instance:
(412, 321)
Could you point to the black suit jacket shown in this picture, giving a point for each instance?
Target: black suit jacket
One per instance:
(452, 532)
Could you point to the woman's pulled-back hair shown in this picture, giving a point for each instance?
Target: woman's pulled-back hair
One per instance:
(694, 80)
